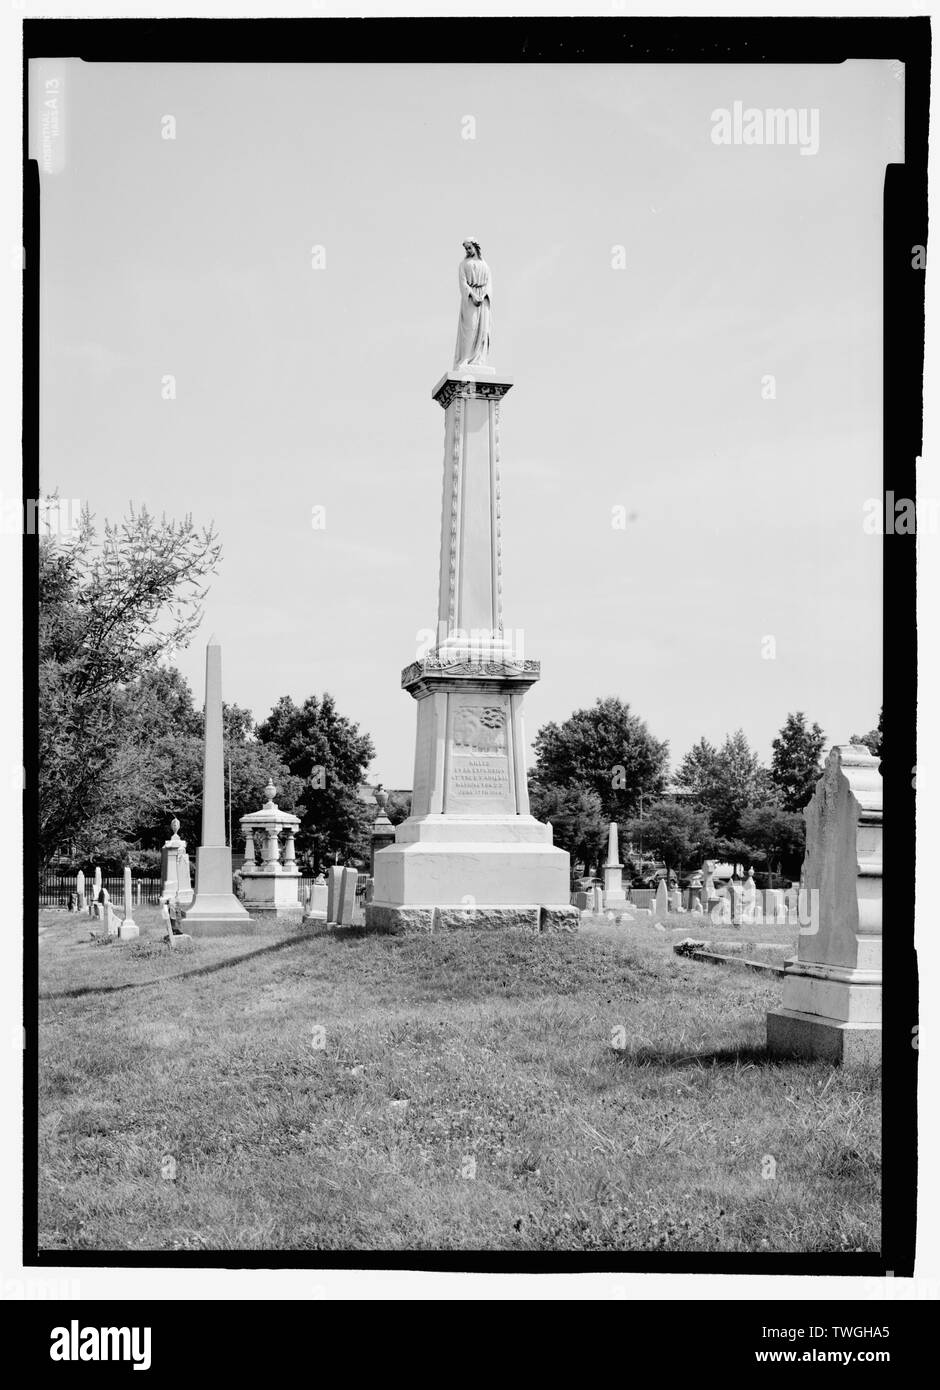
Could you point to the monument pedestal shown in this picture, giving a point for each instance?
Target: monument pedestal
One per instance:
(274, 896)
(471, 855)
(215, 910)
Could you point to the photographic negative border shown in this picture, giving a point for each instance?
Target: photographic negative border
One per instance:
(583, 41)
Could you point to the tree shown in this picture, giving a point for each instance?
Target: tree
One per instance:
(873, 739)
(576, 817)
(699, 769)
(607, 750)
(330, 756)
(158, 752)
(723, 781)
(678, 834)
(795, 767)
(109, 610)
(775, 836)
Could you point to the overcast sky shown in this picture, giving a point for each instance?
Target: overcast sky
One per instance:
(638, 387)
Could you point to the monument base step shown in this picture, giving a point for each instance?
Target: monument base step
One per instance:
(423, 920)
(275, 913)
(814, 1038)
(223, 926)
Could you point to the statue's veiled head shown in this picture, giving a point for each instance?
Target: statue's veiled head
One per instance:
(472, 249)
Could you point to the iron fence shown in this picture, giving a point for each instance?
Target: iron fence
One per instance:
(54, 889)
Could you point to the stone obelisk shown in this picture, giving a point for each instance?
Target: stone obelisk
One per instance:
(215, 909)
(471, 854)
(614, 896)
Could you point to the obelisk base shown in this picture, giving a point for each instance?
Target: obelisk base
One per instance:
(530, 919)
(457, 872)
(215, 910)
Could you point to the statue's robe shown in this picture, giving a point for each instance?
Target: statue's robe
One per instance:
(473, 326)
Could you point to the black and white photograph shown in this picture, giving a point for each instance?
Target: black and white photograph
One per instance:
(473, 488)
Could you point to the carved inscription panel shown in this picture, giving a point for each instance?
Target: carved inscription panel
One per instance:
(480, 780)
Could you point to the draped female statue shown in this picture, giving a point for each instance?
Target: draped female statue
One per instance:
(473, 325)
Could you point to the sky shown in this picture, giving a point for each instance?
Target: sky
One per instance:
(646, 284)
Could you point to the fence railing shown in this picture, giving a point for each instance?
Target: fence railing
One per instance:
(54, 889)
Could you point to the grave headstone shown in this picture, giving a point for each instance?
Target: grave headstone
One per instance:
(792, 902)
(96, 885)
(832, 992)
(80, 890)
(316, 904)
(347, 897)
(775, 906)
(749, 900)
(710, 892)
(129, 927)
(334, 882)
(661, 905)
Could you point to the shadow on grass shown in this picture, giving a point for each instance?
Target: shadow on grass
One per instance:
(746, 1055)
(209, 969)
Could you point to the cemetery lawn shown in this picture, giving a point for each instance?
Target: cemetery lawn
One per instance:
(325, 1090)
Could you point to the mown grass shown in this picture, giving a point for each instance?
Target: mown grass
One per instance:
(330, 1090)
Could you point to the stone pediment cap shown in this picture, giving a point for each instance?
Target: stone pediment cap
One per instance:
(474, 385)
(273, 816)
(465, 668)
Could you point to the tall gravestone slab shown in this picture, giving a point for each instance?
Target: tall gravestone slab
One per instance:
(471, 846)
(129, 928)
(832, 991)
(215, 910)
(334, 881)
(347, 897)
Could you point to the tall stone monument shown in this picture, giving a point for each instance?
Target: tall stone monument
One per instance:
(614, 896)
(471, 853)
(832, 991)
(215, 910)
